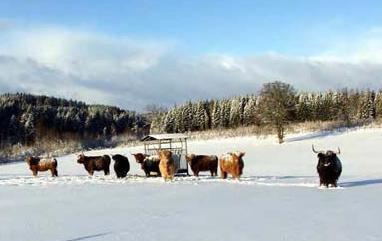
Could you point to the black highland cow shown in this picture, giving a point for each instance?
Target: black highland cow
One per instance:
(121, 165)
(329, 167)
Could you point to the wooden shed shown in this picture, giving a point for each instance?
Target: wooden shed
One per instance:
(176, 143)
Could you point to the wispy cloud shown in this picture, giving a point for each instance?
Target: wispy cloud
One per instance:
(132, 73)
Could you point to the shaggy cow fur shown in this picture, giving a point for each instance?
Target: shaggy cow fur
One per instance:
(232, 163)
(167, 165)
(148, 163)
(37, 164)
(121, 165)
(200, 163)
(95, 163)
(329, 167)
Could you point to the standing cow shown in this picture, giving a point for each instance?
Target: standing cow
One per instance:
(329, 167)
(37, 164)
(232, 163)
(121, 165)
(148, 163)
(200, 163)
(167, 165)
(95, 163)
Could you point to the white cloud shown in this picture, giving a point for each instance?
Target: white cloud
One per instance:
(132, 73)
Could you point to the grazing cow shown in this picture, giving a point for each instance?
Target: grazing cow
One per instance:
(329, 167)
(37, 164)
(121, 165)
(167, 165)
(95, 163)
(200, 163)
(148, 163)
(232, 163)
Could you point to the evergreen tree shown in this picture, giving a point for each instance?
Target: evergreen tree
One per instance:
(249, 112)
(216, 115)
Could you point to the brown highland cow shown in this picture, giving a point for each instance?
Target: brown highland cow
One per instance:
(200, 163)
(232, 163)
(37, 164)
(167, 165)
(95, 163)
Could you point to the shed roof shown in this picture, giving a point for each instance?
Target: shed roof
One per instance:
(164, 137)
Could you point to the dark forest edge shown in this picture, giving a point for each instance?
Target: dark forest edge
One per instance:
(42, 125)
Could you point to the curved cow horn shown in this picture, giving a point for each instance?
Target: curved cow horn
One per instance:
(314, 149)
(339, 151)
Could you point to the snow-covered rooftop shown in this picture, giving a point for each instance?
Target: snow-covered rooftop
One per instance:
(164, 137)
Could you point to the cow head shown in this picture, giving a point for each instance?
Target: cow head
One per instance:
(237, 155)
(32, 160)
(165, 155)
(139, 157)
(81, 158)
(326, 159)
(189, 158)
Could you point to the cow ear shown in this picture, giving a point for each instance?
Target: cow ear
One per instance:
(242, 154)
(320, 155)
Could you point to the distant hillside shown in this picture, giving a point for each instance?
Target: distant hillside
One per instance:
(26, 119)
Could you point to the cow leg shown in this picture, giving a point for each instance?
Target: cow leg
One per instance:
(223, 175)
(321, 182)
(34, 173)
(52, 172)
(91, 173)
(107, 171)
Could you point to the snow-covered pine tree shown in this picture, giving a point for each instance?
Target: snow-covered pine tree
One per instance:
(366, 105)
(378, 104)
(249, 114)
(169, 122)
(201, 117)
(225, 113)
(216, 114)
(234, 115)
(304, 108)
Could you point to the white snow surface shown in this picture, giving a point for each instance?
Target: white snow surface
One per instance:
(277, 198)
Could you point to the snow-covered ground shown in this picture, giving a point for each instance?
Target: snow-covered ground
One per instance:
(277, 198)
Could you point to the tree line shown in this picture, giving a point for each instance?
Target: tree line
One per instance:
(276, 104)
(26, 119)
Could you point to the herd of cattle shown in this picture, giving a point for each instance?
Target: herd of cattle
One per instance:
(329, 167)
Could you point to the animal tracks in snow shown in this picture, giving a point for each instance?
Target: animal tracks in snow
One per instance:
(281, 181)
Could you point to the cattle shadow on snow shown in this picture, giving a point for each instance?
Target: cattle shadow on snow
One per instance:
(366, 182)
(315, 135)
(277, 177)
(89, 236)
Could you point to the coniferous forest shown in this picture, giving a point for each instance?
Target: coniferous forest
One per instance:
(344, 105)
(26, 119)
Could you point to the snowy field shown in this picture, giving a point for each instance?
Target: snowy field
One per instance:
(277, 198)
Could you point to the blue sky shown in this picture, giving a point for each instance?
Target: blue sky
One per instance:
(236, 27)
(135, 53)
